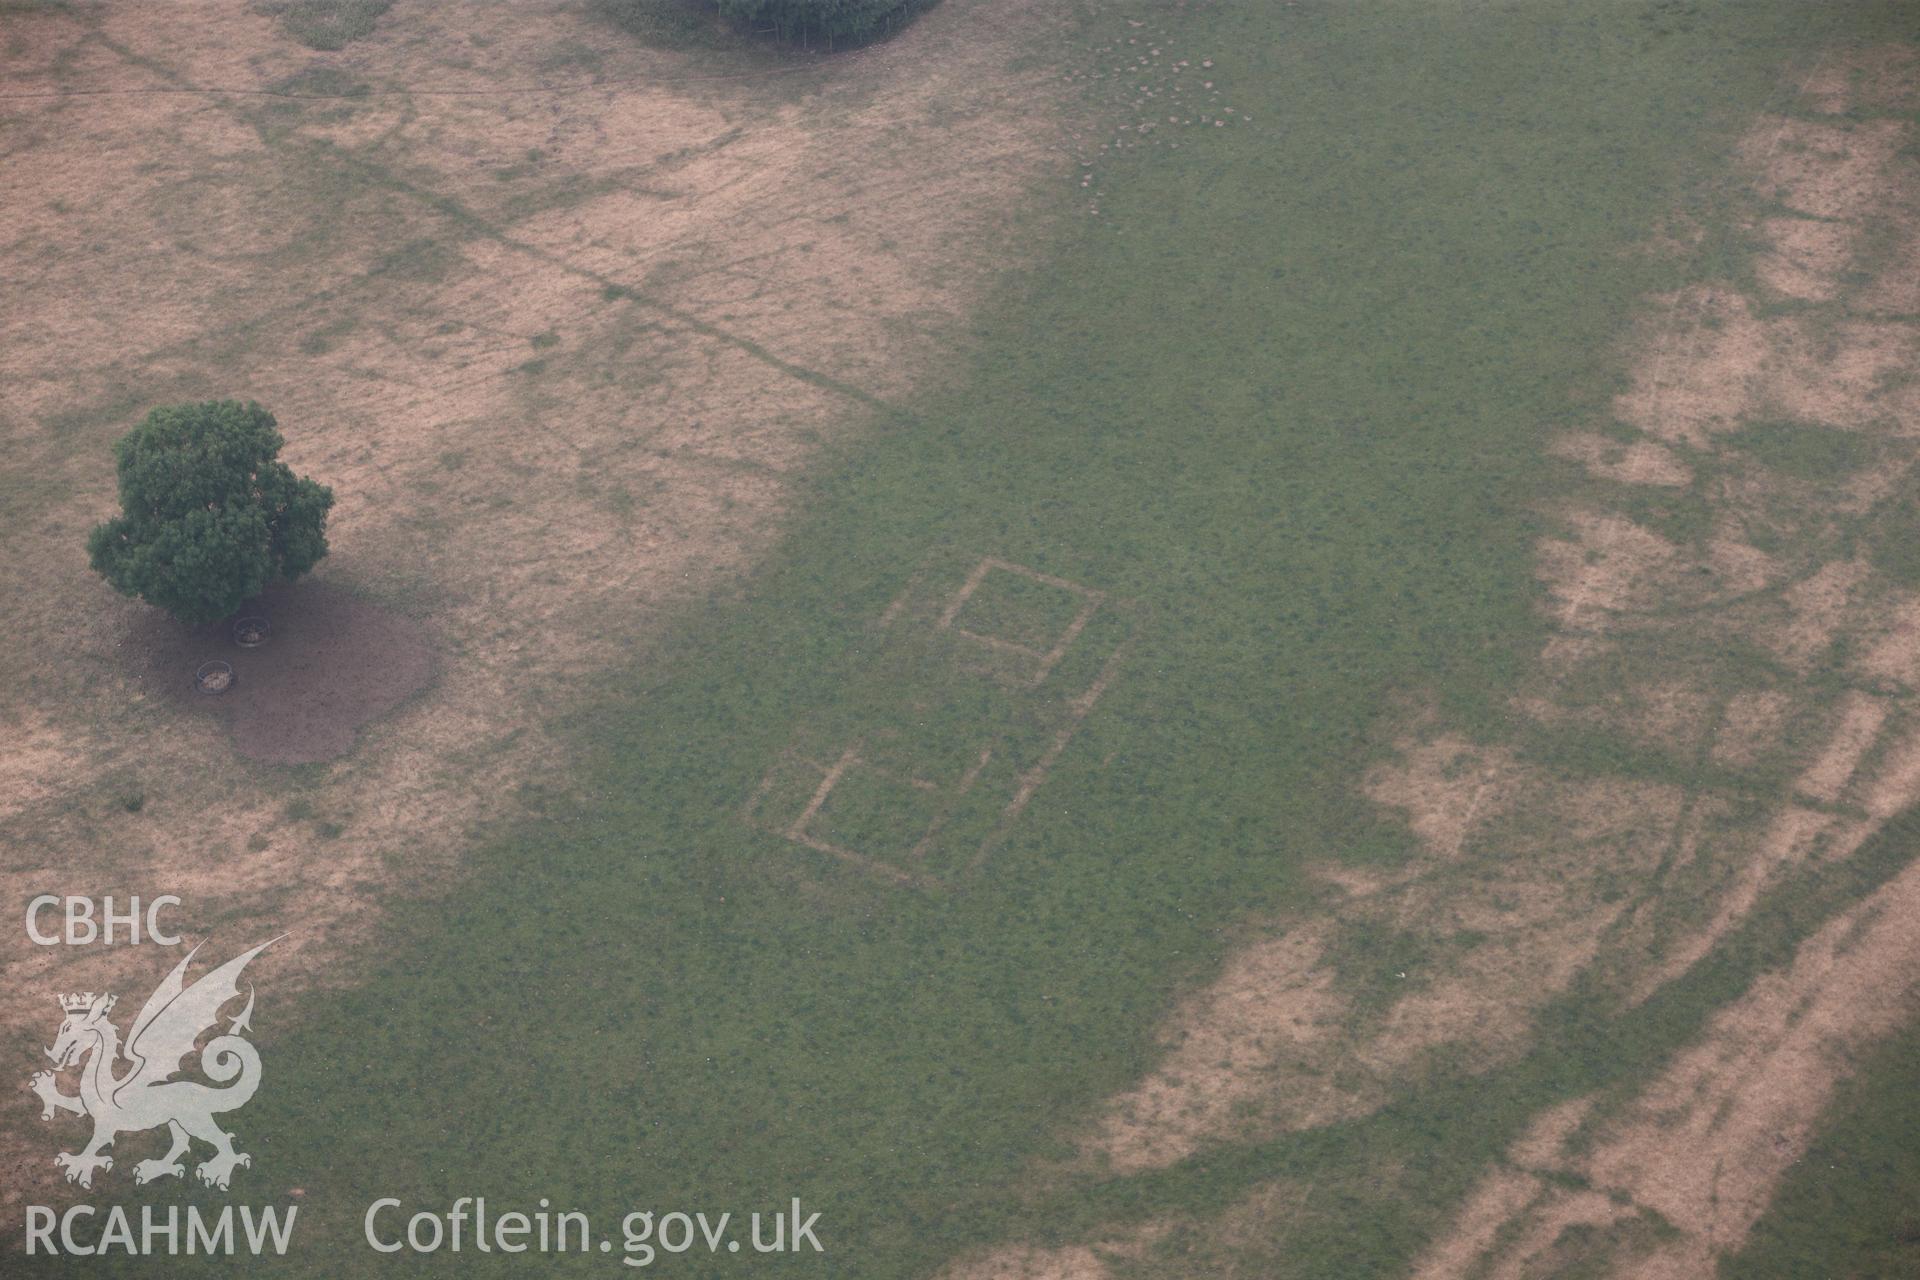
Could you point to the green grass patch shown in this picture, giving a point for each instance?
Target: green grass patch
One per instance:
(1850, 1209)
(1282, 405)
(321, 82)
(319, 341)
(1898, 556)
(668, 24)
(1805, 449)
(325, 24)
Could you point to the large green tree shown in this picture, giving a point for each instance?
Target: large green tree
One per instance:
(209, 515)
(851, 19)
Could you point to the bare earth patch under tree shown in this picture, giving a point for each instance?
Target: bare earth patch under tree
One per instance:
(336, 663)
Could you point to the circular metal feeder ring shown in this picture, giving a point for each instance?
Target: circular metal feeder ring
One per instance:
(214, 678)
(251, 632)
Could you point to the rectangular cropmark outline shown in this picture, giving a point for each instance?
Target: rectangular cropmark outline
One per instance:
(1029, 780)
(799, 830)
(1046, 660)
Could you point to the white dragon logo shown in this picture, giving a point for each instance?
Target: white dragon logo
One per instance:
(145, 1096)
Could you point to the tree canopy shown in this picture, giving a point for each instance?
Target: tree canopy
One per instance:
(841, 19)
(209, 514)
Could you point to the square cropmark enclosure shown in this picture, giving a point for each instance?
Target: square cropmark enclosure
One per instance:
(872, 805)
(873, 811)
(983, 672)
(1016, 611)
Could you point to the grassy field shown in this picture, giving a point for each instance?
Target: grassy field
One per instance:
(1273, 419)
(1848, 1209)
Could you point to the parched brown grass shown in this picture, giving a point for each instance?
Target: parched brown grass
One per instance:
(559, 340)
(1642, 462)
(1273, 1017)
(1702, 1146)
